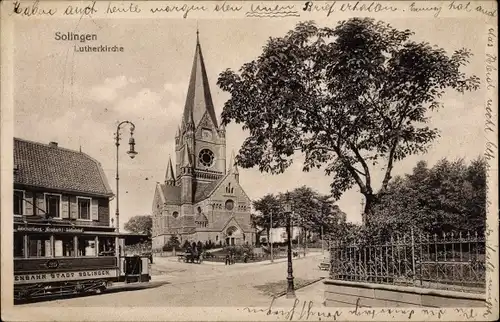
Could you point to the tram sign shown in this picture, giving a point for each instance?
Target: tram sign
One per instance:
(48, 229)
(64, 276)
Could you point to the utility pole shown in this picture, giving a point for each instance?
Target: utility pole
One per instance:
(322, 241)
(271, 236)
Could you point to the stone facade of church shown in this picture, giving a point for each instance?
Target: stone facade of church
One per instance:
(202, 200)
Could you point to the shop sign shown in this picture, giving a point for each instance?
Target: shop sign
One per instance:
(48, 229)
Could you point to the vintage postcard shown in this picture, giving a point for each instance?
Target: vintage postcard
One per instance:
(240, 160)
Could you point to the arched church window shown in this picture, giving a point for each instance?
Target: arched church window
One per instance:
(206, 157)
(229, 204)
(199, 210)
(175, 214)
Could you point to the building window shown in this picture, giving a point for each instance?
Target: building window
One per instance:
(53, 205)
(229, 204)
(18, 245)
(18, 203)
(84, 208)
(175, 214)
(206, 157)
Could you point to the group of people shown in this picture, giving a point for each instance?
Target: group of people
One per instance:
(230, 259)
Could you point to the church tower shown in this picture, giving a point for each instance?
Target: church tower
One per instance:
(201, 198)
(200, 142)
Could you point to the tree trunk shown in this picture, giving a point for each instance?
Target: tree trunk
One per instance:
(371, 199)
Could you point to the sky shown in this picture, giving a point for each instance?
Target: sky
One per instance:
(77, 99)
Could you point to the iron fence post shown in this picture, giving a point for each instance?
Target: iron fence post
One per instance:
(414, 268)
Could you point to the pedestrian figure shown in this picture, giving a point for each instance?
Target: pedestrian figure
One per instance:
(227, 259)
(232, 259)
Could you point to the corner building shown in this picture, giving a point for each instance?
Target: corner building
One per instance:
(202, 199)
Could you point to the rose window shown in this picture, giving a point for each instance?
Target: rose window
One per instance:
(229, 205)
(206, 157)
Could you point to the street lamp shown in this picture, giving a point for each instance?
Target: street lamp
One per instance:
(287, 209)
(132, 153)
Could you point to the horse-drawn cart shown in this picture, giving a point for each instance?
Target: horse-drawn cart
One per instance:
(190, 257)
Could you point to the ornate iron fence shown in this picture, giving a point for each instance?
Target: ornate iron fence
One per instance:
(450, 261)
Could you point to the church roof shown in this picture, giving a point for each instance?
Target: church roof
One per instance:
(199, 98)
(201, 218)
(222, 223)
(204, 191)
(172, 194)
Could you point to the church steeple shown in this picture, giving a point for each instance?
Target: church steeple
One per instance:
(169, 176)
(233, 167)
(199, 98)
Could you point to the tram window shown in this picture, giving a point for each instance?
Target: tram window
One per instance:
(39, 246)
(64, 246)
(86, 246)
(18, 245)
(106, 246)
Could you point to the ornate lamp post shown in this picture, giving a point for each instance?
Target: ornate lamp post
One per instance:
(290, 291)
(132, 153)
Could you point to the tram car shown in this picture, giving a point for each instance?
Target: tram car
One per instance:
(62, 260)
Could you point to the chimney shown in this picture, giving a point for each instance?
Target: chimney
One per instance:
(53, 144)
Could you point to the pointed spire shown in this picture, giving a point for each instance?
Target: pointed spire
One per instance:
(198, 99)
(233, 168)
(186, 158)
(169, 176)
(197, 34)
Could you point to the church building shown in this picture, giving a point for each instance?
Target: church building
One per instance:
(201, 199)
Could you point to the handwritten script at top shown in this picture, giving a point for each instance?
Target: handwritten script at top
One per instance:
(419, 7)
(250, 9)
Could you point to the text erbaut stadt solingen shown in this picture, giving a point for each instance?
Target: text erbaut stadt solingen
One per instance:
(84, 38)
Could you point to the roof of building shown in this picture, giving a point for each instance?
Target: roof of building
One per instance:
(172, 194)
(203, 191)
(51, 167)
(200, 218)
(199, 98)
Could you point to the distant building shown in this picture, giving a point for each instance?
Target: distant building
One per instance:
(57, 190)
(278, 235)
(203, 199)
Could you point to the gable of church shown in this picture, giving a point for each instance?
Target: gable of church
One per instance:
(228, 186)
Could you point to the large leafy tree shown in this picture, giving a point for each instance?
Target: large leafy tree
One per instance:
(313, 211)
(450, 196)
(140, 225)
(352, 98)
